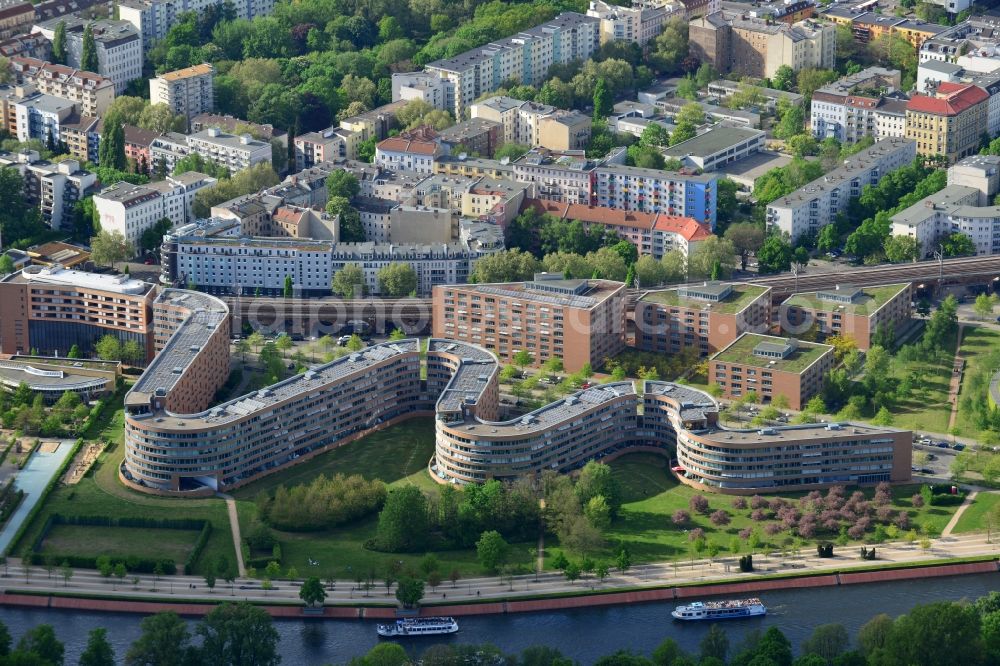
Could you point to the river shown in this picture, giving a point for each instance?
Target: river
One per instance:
(583, 634)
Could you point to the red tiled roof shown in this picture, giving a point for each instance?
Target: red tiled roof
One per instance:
(687, 227)
(285, 214)
(398, 144)
(950, 99)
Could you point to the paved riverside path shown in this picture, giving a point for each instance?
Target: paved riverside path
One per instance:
(32, 480)
(193, 588)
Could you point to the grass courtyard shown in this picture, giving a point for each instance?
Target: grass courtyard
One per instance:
(979, 347)
(100, 493)
(974, 518)
(119, 542)
(927, 406)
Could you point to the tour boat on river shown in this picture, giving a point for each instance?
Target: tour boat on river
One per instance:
(720, 610)
(418, 626)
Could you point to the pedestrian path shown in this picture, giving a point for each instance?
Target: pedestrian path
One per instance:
(234, 525)
(33, 479)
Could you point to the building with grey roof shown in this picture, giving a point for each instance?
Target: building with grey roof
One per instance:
(119, 46)
(816, 204)
(717, 147)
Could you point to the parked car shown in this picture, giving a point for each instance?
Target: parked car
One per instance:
(942, 445)
(959, 447)
(343, 340)
(586, 385)
(926, 470)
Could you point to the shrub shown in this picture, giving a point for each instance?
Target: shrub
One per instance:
(719, 518)
(681, 517)
(740, 503)
(758, 502)
(323, 503)
(698, 504)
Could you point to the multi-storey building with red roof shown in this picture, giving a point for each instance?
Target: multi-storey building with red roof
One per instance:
(948, 121)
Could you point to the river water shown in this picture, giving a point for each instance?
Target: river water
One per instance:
(583, 634)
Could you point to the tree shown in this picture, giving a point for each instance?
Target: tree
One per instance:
(602, 100)
(505, 266)
(111, 152)
(522, 358)
(791, 122)
(349, 282)
(491, 549)
(712, 251)
(342, 183)
(88, 52)
(108, 348)
(874, 634)
(784, 78)
(59, 44)
(397, 280)
(984, 306)
(670, 47)
(238, 634)
(41, 641)
(289, 287)
(715, 644)
(746, 238)
(132, 353)
(827, 641)
(6, 265)
(510, 151)
(936, 633)
(351, 229)
(98, 651)
(900, 248)
(775, 255)
(402, 523)
(410, 591)
(152, 237)
(110, 247)
(958, 245)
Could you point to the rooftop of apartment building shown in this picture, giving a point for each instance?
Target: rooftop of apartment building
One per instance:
(55, 8)
(871, 80)
(231, 123)
(979, 161)
(163, 373)
(503, 103)
(218, 137)
(129, 195)
(108, 32)
(853, 165)
(188, 72)
(420, 141)
(689, 228)
(48, 103)
(715, 140)
(949, 99)
(41, 69)
(720, 297)
(565, 21)
(482, 163)
(772, 352)
(552, 289)
(58, 252)
(771, 93)
(137, 136)
(798, 433)
(944, 199)
(574, 160)
(805, 29)
(467, 129)
(658, 174)
(873, 19)
(57, 275)
(892, 106)
(864, 301)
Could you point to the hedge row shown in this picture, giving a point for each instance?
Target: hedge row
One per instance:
(199, 546)
(30, 518)
(139, 521)
(132, 564)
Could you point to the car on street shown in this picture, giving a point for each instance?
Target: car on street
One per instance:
(343, 340)
(941, 445)
(926, 470)
(959, 447)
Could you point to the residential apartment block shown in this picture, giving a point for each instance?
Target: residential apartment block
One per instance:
(476, 136)
(847, 109)
(949, 122)
(154, 18)
(414, 150)
(850, 312)
(758, 47)
(867, 26)
(131, 209)
(525, 57)
(653, 234)
(534, 124)
(119, 47)
(638, 24)
(92, 93)
(50, 309)
(41, 117)
(700, 318)
(579, 321)
(771, 366)
(187, 92)
(16, 18)
(815, 205)
(233, 152)
(54, 188)
(248, 437)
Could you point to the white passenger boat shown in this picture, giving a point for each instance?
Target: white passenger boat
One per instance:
(720, 610)
(418, 626)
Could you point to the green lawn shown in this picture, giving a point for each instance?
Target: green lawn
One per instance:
(396, 455)
(979, 347)
(927, 406)
(100, 493)
(120, 542)
(974, 517)
(651, 495)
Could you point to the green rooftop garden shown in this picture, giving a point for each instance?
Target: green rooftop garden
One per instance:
(870, 300)
(741, 296)
(741, 352)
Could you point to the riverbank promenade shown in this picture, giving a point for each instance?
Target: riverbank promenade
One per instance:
(16, 579)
